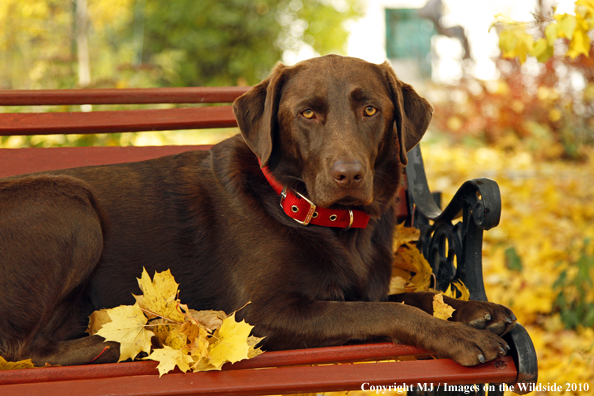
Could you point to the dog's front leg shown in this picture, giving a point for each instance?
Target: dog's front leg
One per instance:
(317, 323)
(496, 318)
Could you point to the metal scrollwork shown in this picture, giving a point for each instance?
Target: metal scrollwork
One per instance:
(454, 251)
(441, 244)
(453, 247)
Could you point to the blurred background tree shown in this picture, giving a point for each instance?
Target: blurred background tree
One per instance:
(544, 98)
(57, 44)
(141, 43)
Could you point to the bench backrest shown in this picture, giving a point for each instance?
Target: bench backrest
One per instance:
(22, 161)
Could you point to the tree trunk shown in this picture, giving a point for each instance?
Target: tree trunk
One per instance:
(82, 44)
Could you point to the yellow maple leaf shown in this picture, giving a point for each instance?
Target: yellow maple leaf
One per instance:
(465, 293)
(252, 342)
(408, 260)
(524, 46)
(514, 41)
(441, 310)
(551, 33)
(449, 292)
(21, 364)
(159, 295)
(542, 51)
(585, 8)
(580, 41)
(127, 327)
(204, 364)
(162, 327)
(168, 358)
(423, 270)
(404, 234)
(199, 344)
(97, 320)
(507, 43)
(405, 257)
(176, 338)
(191, 329)
(566, 25)
(397, 285)
(230, 342)
(208, 318)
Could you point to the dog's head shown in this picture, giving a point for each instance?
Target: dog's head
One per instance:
(334, 128)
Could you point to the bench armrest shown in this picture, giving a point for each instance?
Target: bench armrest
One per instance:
(454, 251)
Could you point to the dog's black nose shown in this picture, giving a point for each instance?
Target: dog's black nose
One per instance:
(347, 174)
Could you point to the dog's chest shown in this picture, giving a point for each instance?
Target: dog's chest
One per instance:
(349, 275)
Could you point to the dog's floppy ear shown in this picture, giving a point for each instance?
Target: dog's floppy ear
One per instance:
(256, 114)
(412, 112)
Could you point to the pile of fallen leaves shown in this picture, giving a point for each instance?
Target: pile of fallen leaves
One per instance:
(168, 331)
(189, 339)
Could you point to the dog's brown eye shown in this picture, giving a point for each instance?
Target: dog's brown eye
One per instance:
(370, 110)
(309, 114)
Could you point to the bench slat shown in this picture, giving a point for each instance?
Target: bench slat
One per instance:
(28, 160)
(283, 380)
(116, 121)
(349, 353)
(120, 96)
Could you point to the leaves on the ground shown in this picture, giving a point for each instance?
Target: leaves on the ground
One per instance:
(547, 217)
(441, 310)
(21, 364)
(182, 337)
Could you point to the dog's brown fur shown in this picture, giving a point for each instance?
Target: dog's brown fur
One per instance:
(74, 241)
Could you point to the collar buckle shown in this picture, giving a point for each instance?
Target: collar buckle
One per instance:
(310, 212)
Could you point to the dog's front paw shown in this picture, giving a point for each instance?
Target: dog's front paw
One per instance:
(468, 346)
(496, 318)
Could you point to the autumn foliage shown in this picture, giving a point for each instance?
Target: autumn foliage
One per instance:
(543, 100)
(189, 339)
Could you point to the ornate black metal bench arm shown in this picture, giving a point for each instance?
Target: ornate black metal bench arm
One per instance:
(480, 195)
(454, 251)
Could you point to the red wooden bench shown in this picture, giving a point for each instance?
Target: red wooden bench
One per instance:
(272, 372)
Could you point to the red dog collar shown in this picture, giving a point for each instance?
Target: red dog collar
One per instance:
(305, 212)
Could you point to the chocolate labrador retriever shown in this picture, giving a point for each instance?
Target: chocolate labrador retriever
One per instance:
(327, 139)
